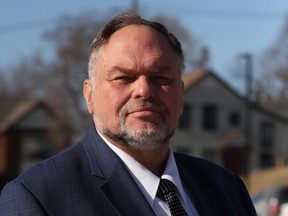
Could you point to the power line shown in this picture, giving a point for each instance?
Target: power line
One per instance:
(22, 26)
(226, 14)
(236, 14)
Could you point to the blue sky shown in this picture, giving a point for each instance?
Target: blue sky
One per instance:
(227, 27)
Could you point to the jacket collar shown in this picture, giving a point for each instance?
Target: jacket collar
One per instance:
(117, 185)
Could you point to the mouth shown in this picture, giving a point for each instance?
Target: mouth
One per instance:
(144, 111)
(149, 110)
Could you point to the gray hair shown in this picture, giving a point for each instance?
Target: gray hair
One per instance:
(123, 20)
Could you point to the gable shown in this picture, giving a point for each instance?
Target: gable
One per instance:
(204, 86)
(210, 89)
(21, 113)
(37, 119)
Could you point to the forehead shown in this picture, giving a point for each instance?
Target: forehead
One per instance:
(139, 36)
(136, 48)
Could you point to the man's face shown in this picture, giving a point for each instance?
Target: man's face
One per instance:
(137, 90)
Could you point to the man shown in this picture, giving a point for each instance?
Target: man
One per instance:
(134, 94)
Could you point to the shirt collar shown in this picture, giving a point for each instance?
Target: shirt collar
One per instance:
(144, 178)
(171, 173)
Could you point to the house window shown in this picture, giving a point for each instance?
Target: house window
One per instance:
(35, 149)
(266, 160)
(266, 134)
(234, 119)
(185, 118)
(209, 117)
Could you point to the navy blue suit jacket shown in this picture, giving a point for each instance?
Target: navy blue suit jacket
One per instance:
(90, 179)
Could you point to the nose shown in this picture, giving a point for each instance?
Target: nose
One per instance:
(143, 88)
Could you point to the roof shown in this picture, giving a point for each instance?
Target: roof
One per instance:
(13, 110)
(194, 77)
(191, 79)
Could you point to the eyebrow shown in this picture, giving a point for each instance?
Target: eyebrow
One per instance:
(121, 69)
(130, 71)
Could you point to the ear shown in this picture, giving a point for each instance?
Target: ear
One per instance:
(182, 95)
(87, 92)
(182, 88)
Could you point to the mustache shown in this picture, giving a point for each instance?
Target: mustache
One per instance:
(149, 103)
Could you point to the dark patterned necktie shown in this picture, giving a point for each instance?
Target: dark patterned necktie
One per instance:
(167, 192)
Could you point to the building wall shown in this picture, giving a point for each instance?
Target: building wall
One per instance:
(208, 91)
(263, 146)
(228, 134)
(28, 141)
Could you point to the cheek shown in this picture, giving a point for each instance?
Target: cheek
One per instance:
(173, 99)
(174, 105)
(110, 104)
(175, 108)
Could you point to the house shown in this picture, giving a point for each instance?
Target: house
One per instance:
(29, 133)
(218, 124)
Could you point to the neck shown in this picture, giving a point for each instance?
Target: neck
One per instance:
(154, 160)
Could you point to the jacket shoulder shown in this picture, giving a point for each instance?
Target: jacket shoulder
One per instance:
(227, 189)
(198, 163)
(205, 171)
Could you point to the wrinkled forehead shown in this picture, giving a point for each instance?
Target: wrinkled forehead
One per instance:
(136, 38)
(138, 35)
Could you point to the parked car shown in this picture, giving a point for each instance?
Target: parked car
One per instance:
(272, 201)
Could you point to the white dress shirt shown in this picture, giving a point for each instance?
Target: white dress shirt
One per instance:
(148, 182)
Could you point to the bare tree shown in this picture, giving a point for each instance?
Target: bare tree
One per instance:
(274, 65)
(71, 38)
(3, 84)
(59, 80)
(28, 76)
(196, 55)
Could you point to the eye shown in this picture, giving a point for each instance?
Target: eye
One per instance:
(162, 80)
(123, 79)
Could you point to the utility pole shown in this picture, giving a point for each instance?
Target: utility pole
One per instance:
(135, 6)
(248, 111)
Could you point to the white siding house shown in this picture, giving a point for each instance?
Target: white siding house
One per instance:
(217, 125)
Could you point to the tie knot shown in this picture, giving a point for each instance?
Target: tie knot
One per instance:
(167, 192)
(165, 187)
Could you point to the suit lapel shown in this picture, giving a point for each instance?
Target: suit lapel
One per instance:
(122, 192)
(118, 186)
